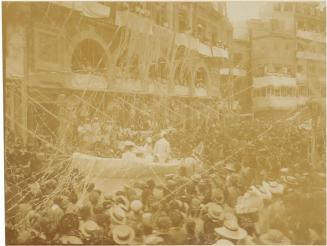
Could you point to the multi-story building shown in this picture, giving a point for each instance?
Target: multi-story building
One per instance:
(288, 47)
(148, 60)
(235, 75)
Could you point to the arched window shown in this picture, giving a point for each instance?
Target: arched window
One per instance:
(89, 57)
(201, 78)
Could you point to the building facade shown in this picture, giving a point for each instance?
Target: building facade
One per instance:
(126, 61)
(287, 55)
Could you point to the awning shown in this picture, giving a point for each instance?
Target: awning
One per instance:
(88, 9)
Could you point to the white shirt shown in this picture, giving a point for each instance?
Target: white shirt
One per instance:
(162, 149)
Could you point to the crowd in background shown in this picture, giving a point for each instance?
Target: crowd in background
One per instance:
(254, 185)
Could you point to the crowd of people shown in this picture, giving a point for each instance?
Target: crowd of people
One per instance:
(254, 184)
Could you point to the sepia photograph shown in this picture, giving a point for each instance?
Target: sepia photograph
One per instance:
(164, 123)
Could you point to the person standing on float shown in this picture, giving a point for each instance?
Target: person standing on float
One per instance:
(162, 148)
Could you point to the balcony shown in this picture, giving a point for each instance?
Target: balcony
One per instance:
(219, 52)
(129, 85)
(190, 42)
(274, 80)
(239, 72)
(274, 102)
(314, 36)
(158, 88)
(200, 92)
(181, 90)
(133, 21)
(310, 56)
(224, 71)
(85, 81)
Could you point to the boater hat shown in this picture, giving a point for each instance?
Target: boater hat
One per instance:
(117, 215)
(123, 234)
(231, 230)
(215, 212)
(290, 180)
(275, 188)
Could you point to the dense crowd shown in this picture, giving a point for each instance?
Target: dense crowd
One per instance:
(254, 185)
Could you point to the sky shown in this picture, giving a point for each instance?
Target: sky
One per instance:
(241, 11)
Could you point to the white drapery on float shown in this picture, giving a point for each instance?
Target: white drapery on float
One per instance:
(112, 173)
(119, 168)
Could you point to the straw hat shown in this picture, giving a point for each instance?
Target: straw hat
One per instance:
(274, 187)
(117, 215)
(123, 234)
(264, 191)
(136, 205)
(290, 180)
(250, 202)
(231, 230)
(223, 242)
(274, 237)
(215, 212)
(88, 227)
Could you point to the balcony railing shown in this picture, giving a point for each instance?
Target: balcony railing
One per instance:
(310, 55)
(129, 85)
(274, 80)
(314, 36)
(200, 92)
(190, 42)
(274, 102)
(181, 90)
(158, 88)
(85, 81)
(219, 52)
(239, 72)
